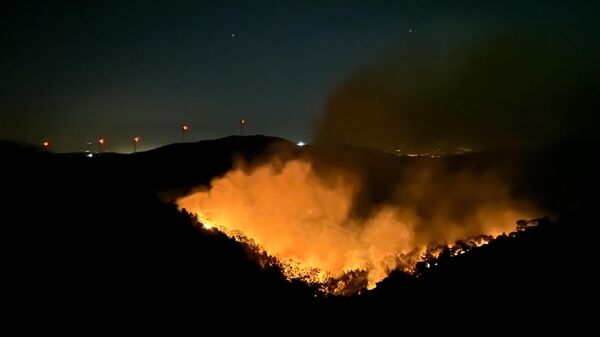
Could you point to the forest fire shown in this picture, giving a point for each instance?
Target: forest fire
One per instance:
(306, 222)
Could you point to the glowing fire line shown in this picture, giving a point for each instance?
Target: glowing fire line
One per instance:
(323, 280)
(305, 225)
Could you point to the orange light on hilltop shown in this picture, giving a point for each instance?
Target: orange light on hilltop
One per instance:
(46, 144)
(136, 140)
(101, 141)
(185, 128)
(243, 123)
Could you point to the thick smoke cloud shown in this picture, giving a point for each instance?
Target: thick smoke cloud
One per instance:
(339, 210)
(507, 89)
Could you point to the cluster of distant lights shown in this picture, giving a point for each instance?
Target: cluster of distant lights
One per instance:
(436, 153)
(102, 141)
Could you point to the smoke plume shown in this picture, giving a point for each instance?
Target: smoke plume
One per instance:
(325, 217)
(518, 88)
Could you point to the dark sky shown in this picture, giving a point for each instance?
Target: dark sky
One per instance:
(76, 70)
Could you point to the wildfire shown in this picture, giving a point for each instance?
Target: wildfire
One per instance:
(305, 224)
(206, 223)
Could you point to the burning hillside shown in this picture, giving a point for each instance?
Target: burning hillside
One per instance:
(314, 222)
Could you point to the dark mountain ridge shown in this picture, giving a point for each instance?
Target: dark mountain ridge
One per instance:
(97, 239)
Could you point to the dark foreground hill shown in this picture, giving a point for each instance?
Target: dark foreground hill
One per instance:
(98, 240)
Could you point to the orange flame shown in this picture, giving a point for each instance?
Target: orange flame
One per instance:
(306, 222)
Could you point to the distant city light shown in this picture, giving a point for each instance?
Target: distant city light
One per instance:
(89, 155)
(301, 143)
(136, 140)
(101, 141)
(243, 123)
(184, 130)
(46, 144)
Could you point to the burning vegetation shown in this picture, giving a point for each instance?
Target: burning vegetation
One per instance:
(327, 226)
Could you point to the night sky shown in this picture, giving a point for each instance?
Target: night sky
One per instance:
(386, 74)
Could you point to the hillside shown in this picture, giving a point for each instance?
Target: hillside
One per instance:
(99, 239)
